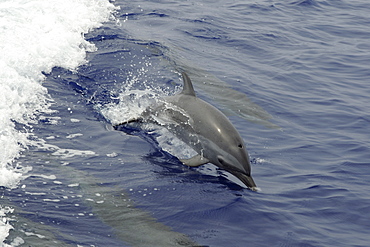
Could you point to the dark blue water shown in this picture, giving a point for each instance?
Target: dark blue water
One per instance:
(306, 63)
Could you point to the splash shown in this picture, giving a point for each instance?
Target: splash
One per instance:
(133, 105)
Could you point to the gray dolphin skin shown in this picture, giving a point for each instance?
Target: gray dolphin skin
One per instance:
(205, 129)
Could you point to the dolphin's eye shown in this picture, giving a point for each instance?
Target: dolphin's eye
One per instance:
(240, 145)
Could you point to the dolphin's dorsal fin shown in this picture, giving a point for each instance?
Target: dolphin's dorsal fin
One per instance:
(188, 86)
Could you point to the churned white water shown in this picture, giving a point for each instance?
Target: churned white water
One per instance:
(36, 36)
(131, 106)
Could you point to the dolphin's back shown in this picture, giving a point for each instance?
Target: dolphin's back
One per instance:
(206, 119)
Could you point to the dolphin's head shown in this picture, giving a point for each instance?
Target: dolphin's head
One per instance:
(236, 161)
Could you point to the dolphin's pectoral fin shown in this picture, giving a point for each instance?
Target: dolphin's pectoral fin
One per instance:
(117, 126)
(195, 161)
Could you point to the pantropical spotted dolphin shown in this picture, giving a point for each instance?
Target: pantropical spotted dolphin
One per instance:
(205, 129)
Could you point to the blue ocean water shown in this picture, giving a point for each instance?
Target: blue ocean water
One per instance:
(292, 76)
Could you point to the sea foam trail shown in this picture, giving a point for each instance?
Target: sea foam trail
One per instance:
(36, 35)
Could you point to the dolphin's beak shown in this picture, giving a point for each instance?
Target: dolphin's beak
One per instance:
(247, 180)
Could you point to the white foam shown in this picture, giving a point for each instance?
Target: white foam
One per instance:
(36, 35)
(114, 154)
(259, 160)
(34, 234)
(5, 226)
(71, 136)
(75, 120)
(51, 200)
(68, 153)
(74, 185)
(9, 178)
